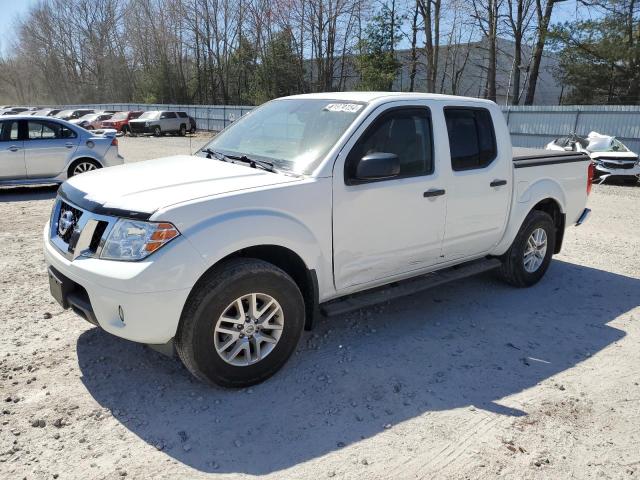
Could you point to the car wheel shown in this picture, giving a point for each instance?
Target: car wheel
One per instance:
(528, 258)
(241, 323)
(192, 130)
(124, 130)
(183, 130)
(157, 131)
(82, 166)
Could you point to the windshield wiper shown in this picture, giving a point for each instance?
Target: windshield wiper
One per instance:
(217, 155)
(254, 163)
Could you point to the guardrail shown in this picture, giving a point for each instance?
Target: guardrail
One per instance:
(530, 126)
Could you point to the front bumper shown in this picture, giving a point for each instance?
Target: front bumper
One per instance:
(604, 171)
(140, 129)
(148, 295)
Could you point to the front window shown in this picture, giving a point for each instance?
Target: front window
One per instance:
(149, 115)
(119, 116)
(293, 134)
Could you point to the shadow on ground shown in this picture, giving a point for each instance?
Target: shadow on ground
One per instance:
(28, 193)
(469, 343)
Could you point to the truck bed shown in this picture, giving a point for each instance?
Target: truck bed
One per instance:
(533, 157)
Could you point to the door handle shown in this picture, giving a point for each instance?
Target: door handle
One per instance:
(498, 183)
(69, 145)
(434, 192)
(13, 148)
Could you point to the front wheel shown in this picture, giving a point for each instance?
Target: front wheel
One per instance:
(528, 258)
(241, 323)
(157, 131)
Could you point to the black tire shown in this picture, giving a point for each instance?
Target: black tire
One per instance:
(157, 131)
(513, 269)
(183, 130)
(124, 130)
(192, 130)
(208, 301)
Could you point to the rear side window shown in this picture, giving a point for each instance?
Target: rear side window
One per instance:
(168, 115)
(405, 132)
(48, 130)
(8, 131)
(472, 142)
(182, 115)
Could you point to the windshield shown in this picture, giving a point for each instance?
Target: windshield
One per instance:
(293, 134)
(149, 115)
(65, 113)
(120, 116)
(606, 144)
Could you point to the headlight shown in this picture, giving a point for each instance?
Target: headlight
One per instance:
(134, 240)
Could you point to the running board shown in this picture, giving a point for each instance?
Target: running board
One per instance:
(403, 288)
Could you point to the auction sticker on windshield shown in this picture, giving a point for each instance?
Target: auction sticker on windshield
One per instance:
(343, 107)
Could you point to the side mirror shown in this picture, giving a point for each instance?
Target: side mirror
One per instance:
(379, 165)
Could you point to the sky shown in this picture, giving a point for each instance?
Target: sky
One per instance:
(9, 10)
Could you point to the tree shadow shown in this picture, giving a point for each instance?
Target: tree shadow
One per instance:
(469, 343)
(28, 193)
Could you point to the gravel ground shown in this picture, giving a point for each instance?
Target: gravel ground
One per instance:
(472, 380)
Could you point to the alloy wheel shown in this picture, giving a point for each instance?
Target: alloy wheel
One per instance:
(248, 329)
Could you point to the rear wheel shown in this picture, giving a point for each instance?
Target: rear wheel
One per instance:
(241, 323)
(183, 130)
(81, 166)
(528, 258)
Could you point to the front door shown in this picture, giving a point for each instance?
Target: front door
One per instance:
(12, 165)
(479, 190)
(49, 147)
(388, 227)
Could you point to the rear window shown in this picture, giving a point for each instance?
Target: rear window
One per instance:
(472, 142)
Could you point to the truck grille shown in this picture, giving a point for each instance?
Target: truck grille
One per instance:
(67, 220)
(72, 229)
(137, 127)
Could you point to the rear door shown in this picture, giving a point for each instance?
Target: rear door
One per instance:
(479, 193)
(49, 147)
(12, 165)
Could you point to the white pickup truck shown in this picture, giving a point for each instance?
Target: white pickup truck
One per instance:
(310, 204)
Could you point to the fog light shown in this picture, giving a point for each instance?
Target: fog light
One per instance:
(121, 313)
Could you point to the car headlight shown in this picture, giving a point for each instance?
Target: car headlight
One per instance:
(134, 240)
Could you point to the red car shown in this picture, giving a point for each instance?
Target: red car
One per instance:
(120, 121)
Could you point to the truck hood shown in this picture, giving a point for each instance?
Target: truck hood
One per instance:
(142, 188)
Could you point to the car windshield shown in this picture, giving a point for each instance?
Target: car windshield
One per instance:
(65, 113)
(120, 116)
(606, 144)
(293, 134)
(149, 115)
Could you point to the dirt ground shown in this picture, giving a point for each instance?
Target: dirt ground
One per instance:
(472, 380)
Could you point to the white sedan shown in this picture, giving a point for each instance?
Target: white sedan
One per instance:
(49, 150)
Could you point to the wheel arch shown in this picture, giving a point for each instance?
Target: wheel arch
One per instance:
(546, 196)
(78, 159)
(287, 260)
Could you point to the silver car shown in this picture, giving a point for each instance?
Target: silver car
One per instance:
(36, 149)
(159, 122)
